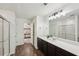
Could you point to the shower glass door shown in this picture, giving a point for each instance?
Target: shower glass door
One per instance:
(6, 38)
(1, 41)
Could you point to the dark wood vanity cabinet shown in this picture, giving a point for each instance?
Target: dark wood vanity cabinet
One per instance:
(45, 47)
(62, 52)
(42, 45)
(51, 50)
(39, 44)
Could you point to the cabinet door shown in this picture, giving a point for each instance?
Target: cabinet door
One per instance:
(42, 45)
(6, 38)
(39, 43)
(51, 50)
(45, 47)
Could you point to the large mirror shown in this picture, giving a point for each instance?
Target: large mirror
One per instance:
(63, 28)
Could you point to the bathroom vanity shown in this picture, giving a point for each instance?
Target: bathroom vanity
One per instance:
(55, 47)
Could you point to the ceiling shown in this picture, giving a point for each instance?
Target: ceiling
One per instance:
(29, 10)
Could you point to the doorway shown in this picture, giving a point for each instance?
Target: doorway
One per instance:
(28, 33)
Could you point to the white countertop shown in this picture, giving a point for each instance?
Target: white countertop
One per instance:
(74, 49)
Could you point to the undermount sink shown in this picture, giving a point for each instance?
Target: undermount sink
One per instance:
(50, 38)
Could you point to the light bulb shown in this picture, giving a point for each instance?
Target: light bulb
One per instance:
(50, 18)
(54, 17)
(64, 14)
(58, 15)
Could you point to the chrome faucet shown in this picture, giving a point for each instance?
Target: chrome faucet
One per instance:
(49, 36)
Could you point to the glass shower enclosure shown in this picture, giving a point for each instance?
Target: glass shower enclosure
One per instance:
(4, 37)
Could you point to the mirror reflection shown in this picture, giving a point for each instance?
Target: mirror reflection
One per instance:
(63, 28)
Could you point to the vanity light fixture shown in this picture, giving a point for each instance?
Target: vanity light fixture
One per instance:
(51, 17)
(56, 14)
(63, 13)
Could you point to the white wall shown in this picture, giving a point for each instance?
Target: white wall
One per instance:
(10, 16)
(19, 31)
(27, 21)
(34, 22)
(42, 26)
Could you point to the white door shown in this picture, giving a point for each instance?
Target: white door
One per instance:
(6, 38)
(1, 48)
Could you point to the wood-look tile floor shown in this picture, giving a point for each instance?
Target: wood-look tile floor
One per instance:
(27, 49)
